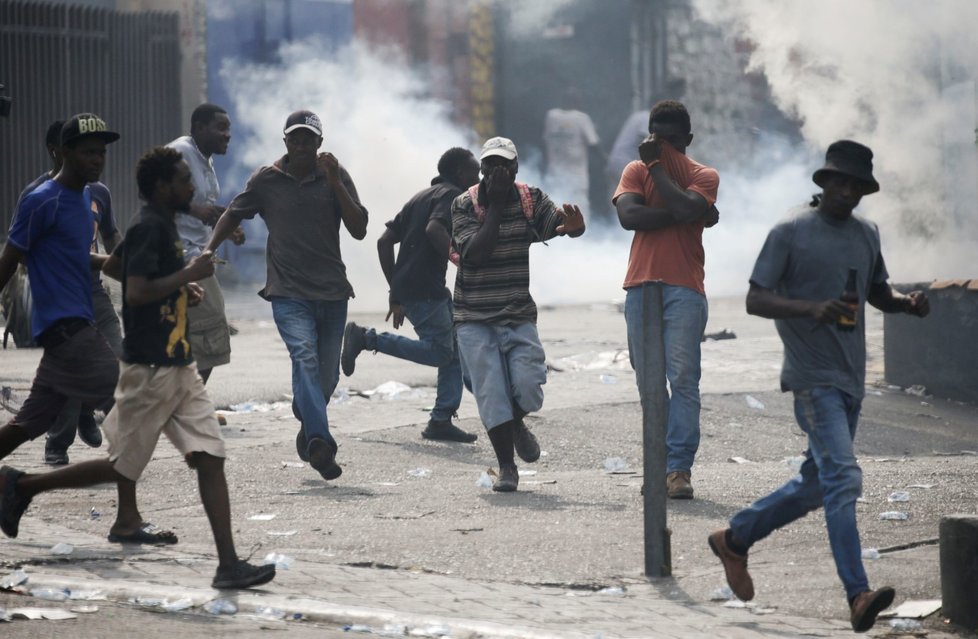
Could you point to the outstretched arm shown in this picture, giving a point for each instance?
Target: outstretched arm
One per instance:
(883, 297)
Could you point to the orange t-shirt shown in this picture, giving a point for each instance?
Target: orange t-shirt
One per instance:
(673, 255)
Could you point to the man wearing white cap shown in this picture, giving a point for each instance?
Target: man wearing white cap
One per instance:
(493, 225)
(303, 198)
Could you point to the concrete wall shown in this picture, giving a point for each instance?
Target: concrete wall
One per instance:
(939, 351)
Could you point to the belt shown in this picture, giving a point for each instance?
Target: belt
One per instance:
(61, 331)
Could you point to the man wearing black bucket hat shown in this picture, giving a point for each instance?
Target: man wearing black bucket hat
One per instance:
(821, 251)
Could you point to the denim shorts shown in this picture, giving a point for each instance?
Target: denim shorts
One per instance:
(506, 366)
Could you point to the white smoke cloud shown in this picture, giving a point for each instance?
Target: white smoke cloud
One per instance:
(897, 75)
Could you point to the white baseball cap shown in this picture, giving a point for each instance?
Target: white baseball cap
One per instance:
(503, 147)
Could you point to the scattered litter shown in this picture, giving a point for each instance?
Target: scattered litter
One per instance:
(761, 610)
(51, 594)
(147, 602)
(419, 472)
(616, 591)
(35, 614)
(292, 464)
(220, 607)
(94, 514)
(593, 361)
(394, 390)
(917, 390)
(720, 335)
(919, 609)
(262, 517)
(608, 379)
(615, 464)
(871, 553)
(528, 473)
(358, 627)
(269, 613)
(87, 595)
(794, 463)
(739, 460)
(85, 610)
(10, 400)
(178, 605)
(61, 548)
(898, 496)
(722, 594)
(540, 482)
(754, 403)
(436, 630)
(282, 562)
(894, 515)
(484, 481)
(905, 625)
(15, 578)
(259, 407)
(922, 486)
(340, 396)
(735, 603)
(466, 531)
(281, 533)
(388, 483)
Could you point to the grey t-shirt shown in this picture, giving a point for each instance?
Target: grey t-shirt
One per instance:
(808, 257)
(193, 232)
(303, 219)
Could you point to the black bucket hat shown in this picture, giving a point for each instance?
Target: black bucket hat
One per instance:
(848, 158)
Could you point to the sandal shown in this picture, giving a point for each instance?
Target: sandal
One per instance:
(146, 534)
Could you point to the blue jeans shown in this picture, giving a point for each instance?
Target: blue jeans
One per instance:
(432, 321)
(829, 477)
(684, 313)
(313, 332)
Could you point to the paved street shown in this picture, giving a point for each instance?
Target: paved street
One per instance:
(407, 540)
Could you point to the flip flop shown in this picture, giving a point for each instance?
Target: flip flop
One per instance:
(146, 534)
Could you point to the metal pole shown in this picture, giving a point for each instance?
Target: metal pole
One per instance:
(655, 411)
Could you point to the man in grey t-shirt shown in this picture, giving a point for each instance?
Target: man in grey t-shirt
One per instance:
(798, 280)
(210, 134)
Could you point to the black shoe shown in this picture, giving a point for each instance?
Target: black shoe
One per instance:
(322, 457)
(525, 443)
(55, 457)
(354, 341)
(88, 430)
(301, 445)
(12, 504)
(508, 479)
(446, 431)
(243, 575)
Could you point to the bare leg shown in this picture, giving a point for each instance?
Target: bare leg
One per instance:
(81, 475)
(214, 495)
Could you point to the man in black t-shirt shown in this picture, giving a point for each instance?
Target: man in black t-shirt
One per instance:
(159, 391)
(417, 279)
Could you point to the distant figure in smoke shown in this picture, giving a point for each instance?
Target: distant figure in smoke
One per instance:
(73, 417)
(797, 281)
(568, 138)
(417, 290)
(210, 134)
(303, 198)
(493, 225)
(667, 199)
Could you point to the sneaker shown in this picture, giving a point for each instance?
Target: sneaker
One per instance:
(243, 575)
(446, 431)
(301, 445)
(322, 457)
(525, 443)
(866, 605)
(734, 565)
(88, 430)
(12, 504)
(354, 341)
(55, 457)
(508, 479)
(678, 486)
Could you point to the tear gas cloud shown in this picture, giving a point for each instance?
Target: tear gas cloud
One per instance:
(896, 75)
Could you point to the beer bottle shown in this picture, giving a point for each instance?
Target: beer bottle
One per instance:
(851, 297)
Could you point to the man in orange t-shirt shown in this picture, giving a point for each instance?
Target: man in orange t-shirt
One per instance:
(668, 199)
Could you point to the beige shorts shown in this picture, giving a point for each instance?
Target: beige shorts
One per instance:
(210, 340)
(150, 400)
